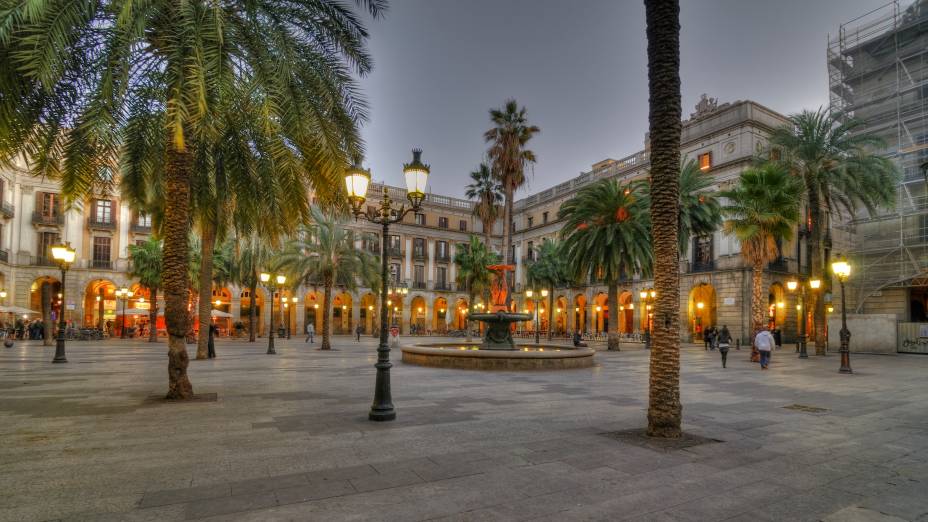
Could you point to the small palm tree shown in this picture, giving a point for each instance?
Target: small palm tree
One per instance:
(840, 172)
(486, 190)
(550, 271)
(146, 267)
(763, 210)
(508, 138)
(472, 261)
(324, 253)
(606, 235)
(252, 253)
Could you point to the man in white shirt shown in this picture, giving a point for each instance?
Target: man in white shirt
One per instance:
(764, 342)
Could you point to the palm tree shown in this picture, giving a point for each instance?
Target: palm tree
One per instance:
(507, 139)
(486, 190)
(606, 237)
(664, 112)
(251, 255)
(472, 261)
(840, 172)
(324, 253)
(762, 212)
(549, 270)
(80, 80)
(146, 267)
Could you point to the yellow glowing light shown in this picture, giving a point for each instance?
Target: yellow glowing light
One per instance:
(599, 308)
(529, 293)
(700, 305)
(371, 307)
(544, 293)
(814, 284)
(831, 309)
(316, 306)
(643, 294)
(218, 302)
(780, 304)
(792, 285)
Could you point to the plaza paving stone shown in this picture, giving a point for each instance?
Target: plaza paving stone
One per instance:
(288, 439)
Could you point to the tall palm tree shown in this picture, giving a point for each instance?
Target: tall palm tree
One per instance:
(472, 273)
(549, 270)
(324, 253)
(79, 77)
(486, 189)
(664, 113)
(606, 236)
(508, 138)
(251, 254)
(840, 172)
(145, 266)
(762, 211)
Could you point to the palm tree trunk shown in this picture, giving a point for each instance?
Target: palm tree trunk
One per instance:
(175, 258)
(507, 226)
(612, 298)
(817, 267)
(487, 234)
(204, 308)
(757, 298)
(153, 315)
(551, 313)
(252, 309)
(663, 32)
(326, 313)
(470, 304)
(47, 323)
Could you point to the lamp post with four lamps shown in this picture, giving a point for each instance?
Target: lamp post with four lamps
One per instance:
(357, 180)
(529, 295)
(792, 285)
(63, 255)
(266, 279)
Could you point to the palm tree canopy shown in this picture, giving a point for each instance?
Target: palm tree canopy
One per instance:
(549, 270)
(487, 192)
(826, 150)
(508, 137)
(146, 262)
(700, 212)
(763, 208)
(472, 261)
(606, 232)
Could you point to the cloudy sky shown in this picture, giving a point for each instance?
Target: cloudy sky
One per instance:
(579, 66)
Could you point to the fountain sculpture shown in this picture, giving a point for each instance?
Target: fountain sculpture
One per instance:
(499, 319)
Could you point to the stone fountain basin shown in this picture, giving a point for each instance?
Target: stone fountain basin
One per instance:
(470, 356)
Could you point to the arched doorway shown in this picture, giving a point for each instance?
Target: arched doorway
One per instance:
(45, 298)
(626, 312)
(560, 315)
(341, 314)
(395, 312)
(440, 315)
(776, 306)
(244, 315)
(100, 305)
(370, 313)
(312, 310)
(601, 313)
(580, 313)
(460, 314)
(702, 310)
(528, 308)
(417, 313)
(221, 302)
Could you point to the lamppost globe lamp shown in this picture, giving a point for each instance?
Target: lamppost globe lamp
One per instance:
(643, 294)
(815, 284)
(356, 182)
(64, 255)
(265, 277)
(417, 176)
(792, 285)
(842, 270)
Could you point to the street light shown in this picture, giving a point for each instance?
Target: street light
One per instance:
(8, 338)
(293, 301)
(842, 270)
(529, 294)
(357, 180)
(123, 294)
(647, 297)
(63, 255)
(792, 286)
(266, 278)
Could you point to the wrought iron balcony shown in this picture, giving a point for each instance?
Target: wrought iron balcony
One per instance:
(105, 264)
(104, 224)
(7, 209)
(705, 266)
(4, 256)
(394, 252)
(442, 258)
(778, 265)
(443, 286)
(418, 255)
(39, 218)
(136, 228)
(41, 261)
(420, 285)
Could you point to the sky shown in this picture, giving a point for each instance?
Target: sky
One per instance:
(580, 69)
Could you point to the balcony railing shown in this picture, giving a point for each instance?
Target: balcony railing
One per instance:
(105, 224)
(697, 266)
(443, 286)
(420, 285)
(442, 258)
(5, 256)
(41, 261)
(778, 265)
(105, 264)
(39, 218)
(394, 252)
(7, 209)
(418, 255)
(136, 228)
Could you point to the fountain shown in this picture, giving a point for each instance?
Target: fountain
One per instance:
(498, 351)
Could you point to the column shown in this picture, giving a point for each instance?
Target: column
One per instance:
(355, 312)
(405, 313)
(300, 317)
(408, 259)
(452, 271)
(430, 267)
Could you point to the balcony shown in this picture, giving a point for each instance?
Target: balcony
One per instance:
(101, 224)
(394, 252)
(4, 256)
(442, 257)
(6, 209)
(39, 218)
(697, 266)
(101, 264)
(419, 255)
(41, 261)
(778, 265)
(419, 285)
(136, 228)
(443, 286)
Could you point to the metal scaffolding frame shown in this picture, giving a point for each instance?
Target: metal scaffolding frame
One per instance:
(878, 73)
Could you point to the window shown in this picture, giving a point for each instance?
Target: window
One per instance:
(544, 217)
(395, 273)
(420, 219)
(143, 220)
(702, 252)
(46, 240)
(101, 251)
(103, 211)
(442, 222)
(462, 225)
(530, 254)
(419, 278)
(512, 226)
(531, 221)
(394, 244)
(50, 204)
(441, 249)
(418, 247)
(441, 277)
(705, 161)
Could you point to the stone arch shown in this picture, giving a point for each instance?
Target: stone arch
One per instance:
(580, 313)
(369, 313)
(244, 312)
(626, 312)
(776, 306)
(418, 311)
(45, 289)
(560, 315)
(341, 313)
(440, 315)
(312, 310)
(221, 299)
(703, 309)
(600, 312)
(460, 314)
(99, 303)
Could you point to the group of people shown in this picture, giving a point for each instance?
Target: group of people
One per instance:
(720, 339)
(32, 330)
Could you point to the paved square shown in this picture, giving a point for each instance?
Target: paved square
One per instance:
(289, 439)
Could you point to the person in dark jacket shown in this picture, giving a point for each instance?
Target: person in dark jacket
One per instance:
(211, 344)
(724, 344)
(777, 337)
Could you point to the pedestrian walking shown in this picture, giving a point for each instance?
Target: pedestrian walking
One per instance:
(310, 332)
(358, 331)
(764, 342)
(724, 344)
(211, 343)
(777, 338)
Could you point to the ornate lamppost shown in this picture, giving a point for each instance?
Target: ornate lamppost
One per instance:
(842, 270)
(647, 297)
(8, 335)
(63, 255)
(529, 295)
(792, 285)
(123, 295)
(266, 278)
(356, 182)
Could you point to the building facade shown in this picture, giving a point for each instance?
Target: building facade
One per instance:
(715, 289)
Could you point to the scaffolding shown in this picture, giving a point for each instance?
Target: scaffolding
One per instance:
(878, 74)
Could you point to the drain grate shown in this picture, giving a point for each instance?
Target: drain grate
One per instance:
(804, 408)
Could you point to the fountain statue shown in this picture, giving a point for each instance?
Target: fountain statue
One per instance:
(498, 319)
